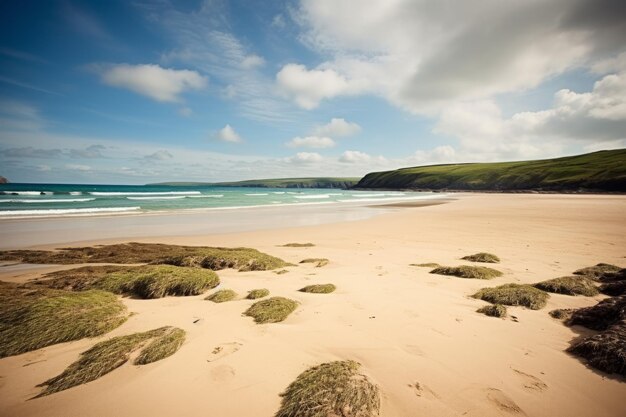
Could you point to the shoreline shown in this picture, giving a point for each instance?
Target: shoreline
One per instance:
(416, 335)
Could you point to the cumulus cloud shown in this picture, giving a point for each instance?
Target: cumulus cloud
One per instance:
(309, 87)
(252, 62)
(354, 156)
(337, 127)
(305, 158)
(423, 55)
(228, 134)
(318, 142)
(160, 84)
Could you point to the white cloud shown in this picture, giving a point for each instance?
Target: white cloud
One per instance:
(278, 21)
(305, 158)
(77, 167)
(337, 128)
(160, 84)
(309, 87)
(252, 62)
(160, 155)
(318, 142)
(439, 154)
(228, 134)
(424, 55)
(354, 157)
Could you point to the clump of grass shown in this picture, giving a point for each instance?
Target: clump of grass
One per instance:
(331, 389)
(482, 257)
(319, 262)
(222, 296)
(597, 271)
(601, 316)
(33, 319)
(146, 281)
(243, 259)
(562, 314)
(496, 310)
(464, 271)
(161, 347)
(427, 265)
(613, 276)
(575, 285)
(281, 271)
(298, 245)
(272, 310)
(108, 355)
(258, 293)
(514, 295)
(319, 288)
(613, 288)
(605, 351)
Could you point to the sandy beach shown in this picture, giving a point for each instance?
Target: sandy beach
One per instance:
(417, 335)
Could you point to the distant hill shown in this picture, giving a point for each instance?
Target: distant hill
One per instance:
(3, 180)
(325, 182)
(597, 171)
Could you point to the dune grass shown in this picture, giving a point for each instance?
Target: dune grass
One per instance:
(281, 271)
(597, 271)
(243, 259)
(146, 281)
(258, 293)
(574, 285)
(108, 355)
(613, 276)
(603, 315)
(496, 310)
(272, 310)
(319, 262)
(319, 288)
(222, 296)
(297, 245)
(613, 288)
(605, 351)
(482, 257)
(464, 271)
(562, 314)
(331, 389)
(427, 265)
(514, 295)
(31, 319)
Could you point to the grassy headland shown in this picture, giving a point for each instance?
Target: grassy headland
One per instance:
(597, 171)
(323, 182)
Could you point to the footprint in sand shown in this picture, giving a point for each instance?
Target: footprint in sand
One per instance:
(531, 382)
(222, 350)
(222, 373)
(501, 401)
(422, 390)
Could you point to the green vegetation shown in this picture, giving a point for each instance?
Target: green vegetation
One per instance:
(319, 288)
(108, 355)
(222, 296)
(599, 171)
(319, 262)
(427, 265)
(605, 351)
(562, 314)
(259, 293)
(146, 281)
(472, 272)
(596, 271)
(576, 285)
(331, 389)
(31, 319)
(496, 310)
(272, 310)
(514, 295)
(482, 257)
(321, 182)
(603, 315)
(243, 259)
(298, 245)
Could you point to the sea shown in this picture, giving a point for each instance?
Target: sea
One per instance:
(54, 200)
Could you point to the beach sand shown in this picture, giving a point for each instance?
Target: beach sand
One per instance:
(416, 335)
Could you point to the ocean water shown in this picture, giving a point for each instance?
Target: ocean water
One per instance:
(52, 200)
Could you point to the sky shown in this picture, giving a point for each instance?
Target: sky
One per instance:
(133, 92)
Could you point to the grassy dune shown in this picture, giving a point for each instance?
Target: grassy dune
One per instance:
(601, 171)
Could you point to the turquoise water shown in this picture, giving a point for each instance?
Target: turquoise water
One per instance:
(51, 200)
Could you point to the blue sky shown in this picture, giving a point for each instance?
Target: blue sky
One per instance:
(144, 91)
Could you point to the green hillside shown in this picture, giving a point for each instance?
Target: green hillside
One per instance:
(597, 171)
(279, 183)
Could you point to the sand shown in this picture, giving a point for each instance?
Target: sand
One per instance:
(417, 335)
